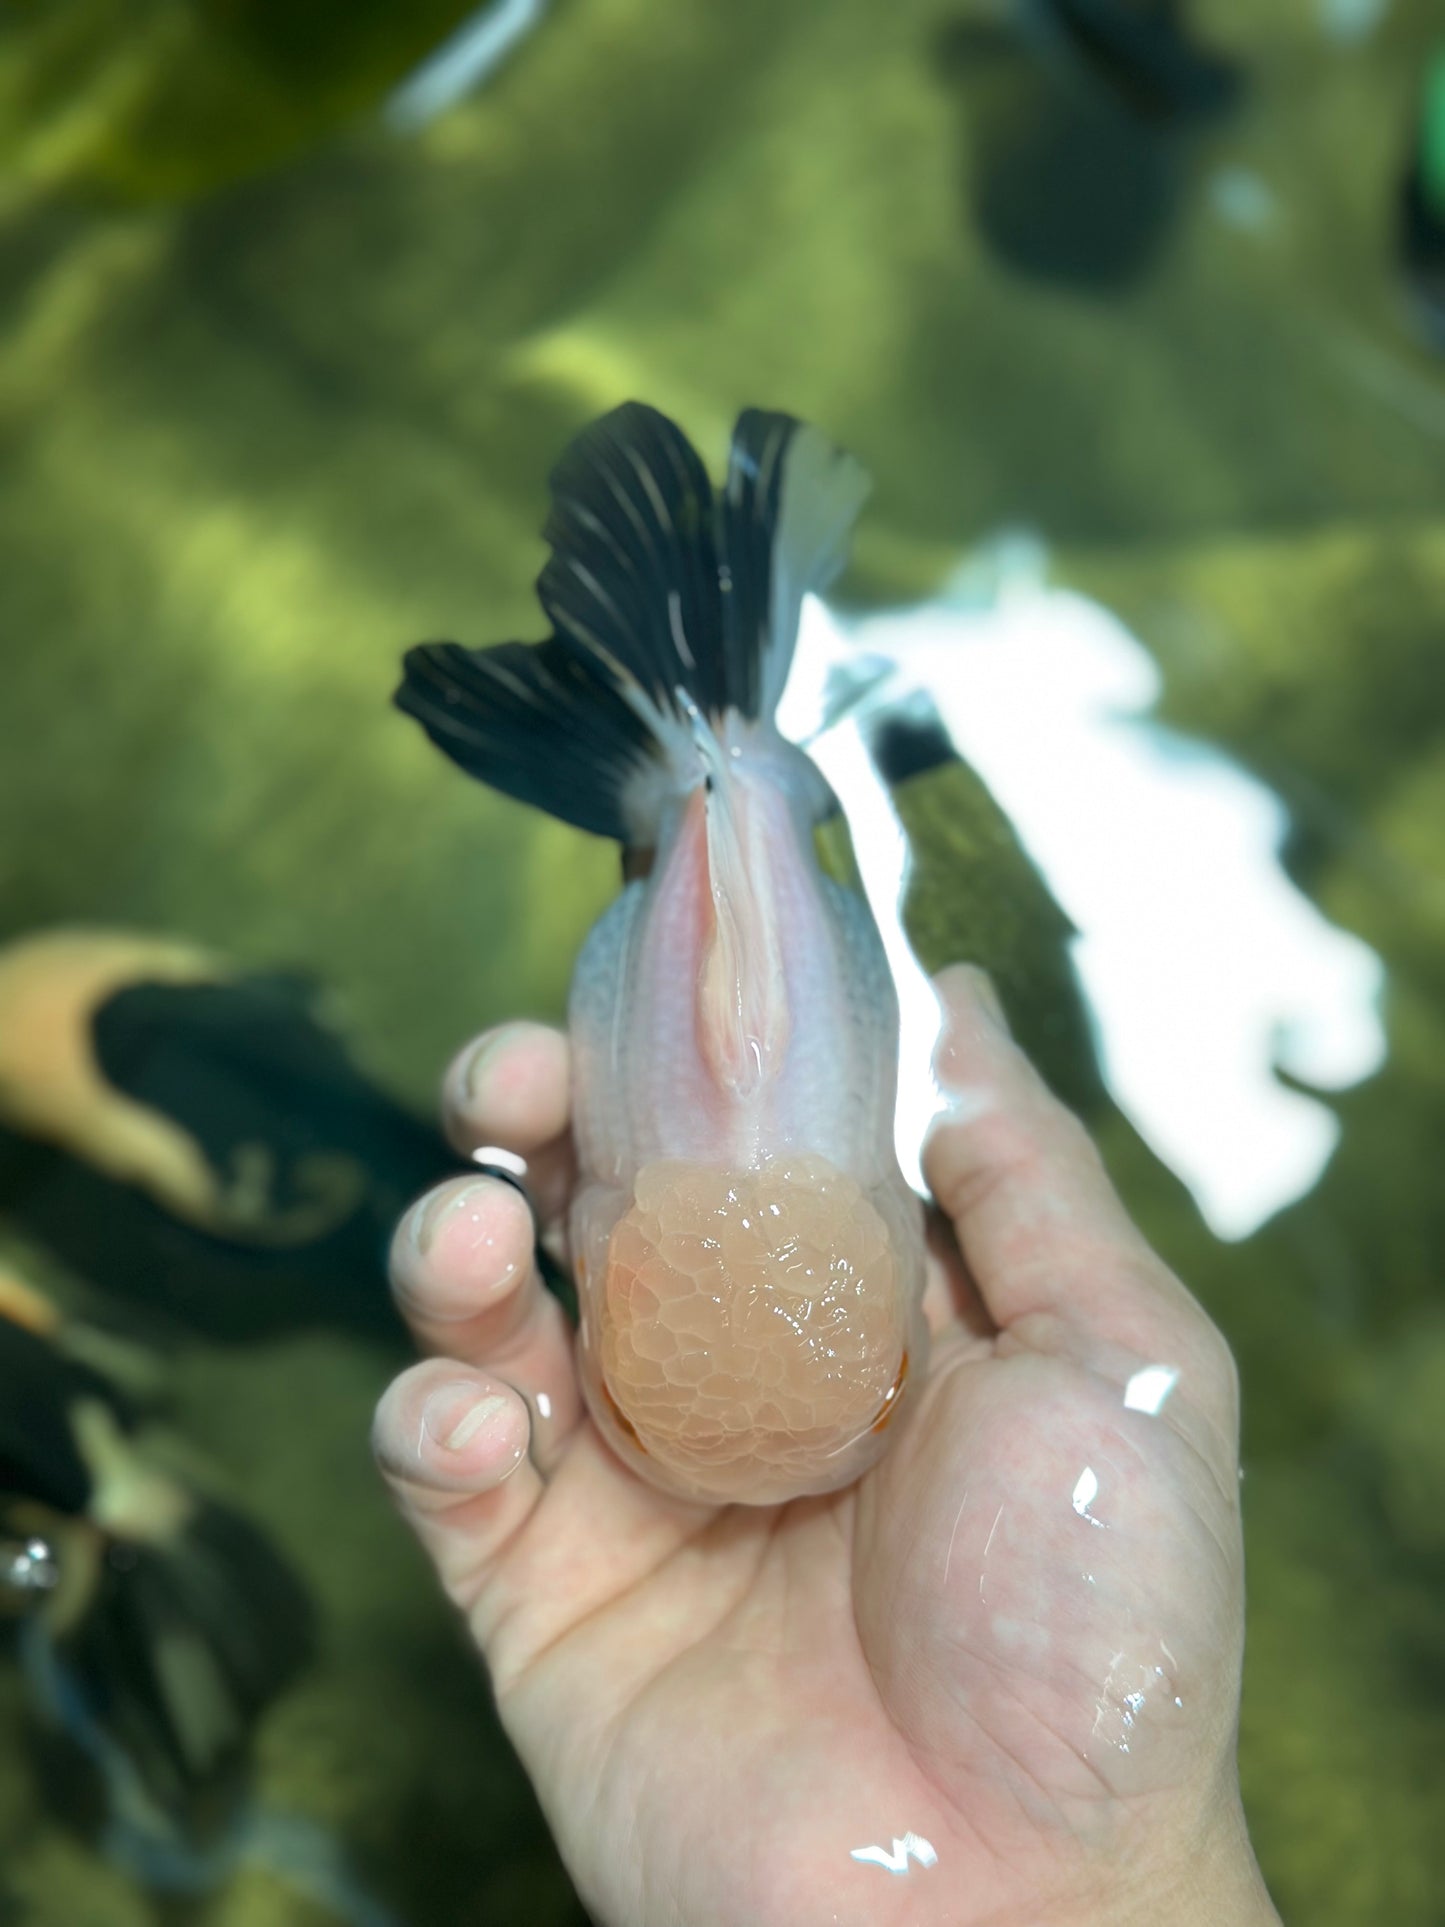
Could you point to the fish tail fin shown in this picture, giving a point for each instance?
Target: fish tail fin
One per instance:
(666, 597)
(184, 1641)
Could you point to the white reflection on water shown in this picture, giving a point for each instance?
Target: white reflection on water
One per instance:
(1149, 1389)
(1203, 966)
(1085, 1491)
(461, 63)
(1351, 21)
(895, 1858)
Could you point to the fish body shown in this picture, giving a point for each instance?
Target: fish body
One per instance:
(748, 1257)
(198, 1135)
(160, 1622)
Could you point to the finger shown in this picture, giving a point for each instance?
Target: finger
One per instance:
(1056, 1258)
(511, 1089)
(951, 1300)
(452, 1444)
(465, 1278)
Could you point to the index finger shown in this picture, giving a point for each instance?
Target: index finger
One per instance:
(1056, 1257)
(510, 1090)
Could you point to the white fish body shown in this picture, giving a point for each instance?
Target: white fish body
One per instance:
(749, 1259)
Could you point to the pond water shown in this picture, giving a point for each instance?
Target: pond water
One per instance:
(1139, 339)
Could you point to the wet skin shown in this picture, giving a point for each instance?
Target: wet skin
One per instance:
(1018, 1638)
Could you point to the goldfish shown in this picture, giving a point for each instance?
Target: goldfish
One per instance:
(748, 1257)
(197, 1136)
(160, 1621)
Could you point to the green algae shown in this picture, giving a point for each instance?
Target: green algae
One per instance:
(152, 101)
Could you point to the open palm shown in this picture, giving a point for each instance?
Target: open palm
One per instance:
(997, 1680)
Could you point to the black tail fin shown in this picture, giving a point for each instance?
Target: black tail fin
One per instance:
(181, 1647)
(656, 585)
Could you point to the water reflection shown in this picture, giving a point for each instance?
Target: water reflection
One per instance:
(462, 62)
(1208, 973)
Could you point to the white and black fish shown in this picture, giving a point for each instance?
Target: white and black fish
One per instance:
(748, 1256)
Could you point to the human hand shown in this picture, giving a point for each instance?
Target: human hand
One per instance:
(1017, 1639)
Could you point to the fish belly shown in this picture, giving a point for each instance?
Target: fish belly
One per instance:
(749, 1259)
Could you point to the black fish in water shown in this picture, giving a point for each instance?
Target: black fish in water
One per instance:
(156, 1625)
(1078, 117)
(1422, 209)
(196, 1138)
(908, 740)
(1139, 52)
(159, 1622)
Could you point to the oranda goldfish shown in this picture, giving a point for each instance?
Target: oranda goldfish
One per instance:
(749, 1259)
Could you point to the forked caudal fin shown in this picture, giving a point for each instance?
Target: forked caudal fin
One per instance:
(662, 593)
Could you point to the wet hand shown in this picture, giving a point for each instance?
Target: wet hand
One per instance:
(1005, 1664)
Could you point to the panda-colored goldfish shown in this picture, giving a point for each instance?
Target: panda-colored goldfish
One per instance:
(749, 1259)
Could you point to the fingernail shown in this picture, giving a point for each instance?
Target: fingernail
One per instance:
(428, 1221)
(478, 1066)
(474, 1421)
(454, 1414)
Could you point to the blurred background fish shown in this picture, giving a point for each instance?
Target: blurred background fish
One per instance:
(158, 1621)
(1422, 206)
(198, 1136)
(1081, 115)
(186, 1151)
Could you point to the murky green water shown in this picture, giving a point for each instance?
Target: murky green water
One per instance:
(278, 391)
